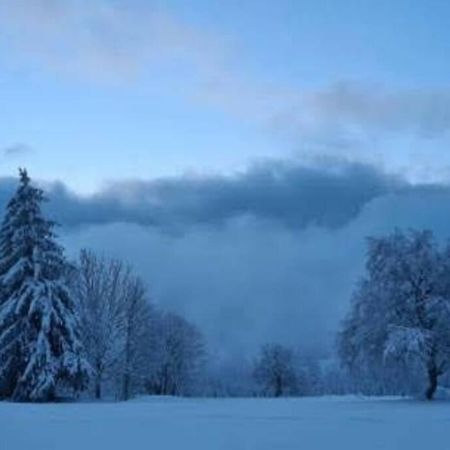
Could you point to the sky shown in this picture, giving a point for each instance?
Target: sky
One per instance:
(236, 153)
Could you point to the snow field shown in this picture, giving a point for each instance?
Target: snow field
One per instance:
(347, 423)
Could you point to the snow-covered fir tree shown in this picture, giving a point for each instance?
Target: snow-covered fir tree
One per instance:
(40, 345)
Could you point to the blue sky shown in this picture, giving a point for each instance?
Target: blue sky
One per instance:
(110, 90)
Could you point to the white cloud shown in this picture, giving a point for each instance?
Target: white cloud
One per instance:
(101, 40)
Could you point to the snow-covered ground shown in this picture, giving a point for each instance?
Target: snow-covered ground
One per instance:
(345, 423)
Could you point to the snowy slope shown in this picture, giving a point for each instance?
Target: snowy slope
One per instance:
(208, 424)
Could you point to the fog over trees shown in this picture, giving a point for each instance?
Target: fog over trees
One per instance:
(89, 328)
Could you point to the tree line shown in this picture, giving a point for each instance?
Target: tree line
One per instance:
(84, 326)
(88, 327)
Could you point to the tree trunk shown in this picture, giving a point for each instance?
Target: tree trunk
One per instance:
(126, 395)
(278, 387)
(165, 381)
(127, 375)
(98, 378)
(98, 389)
(432, 382)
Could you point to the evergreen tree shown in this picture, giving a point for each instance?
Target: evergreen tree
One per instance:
(40, 346)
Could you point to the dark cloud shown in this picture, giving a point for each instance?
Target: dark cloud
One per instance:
(285, 193)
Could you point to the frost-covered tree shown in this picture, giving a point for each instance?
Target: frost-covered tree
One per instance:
(99, 289)
(116, 319)
(179, 359)
(275, 370)
(400, 314)
(139, 339)
(40, 346)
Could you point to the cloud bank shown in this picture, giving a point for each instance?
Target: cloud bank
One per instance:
(268, 254)
(285, 193)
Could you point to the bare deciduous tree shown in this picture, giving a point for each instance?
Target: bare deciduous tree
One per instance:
(274, 370)
(139, 338)
(181, 354)
(115, 316)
